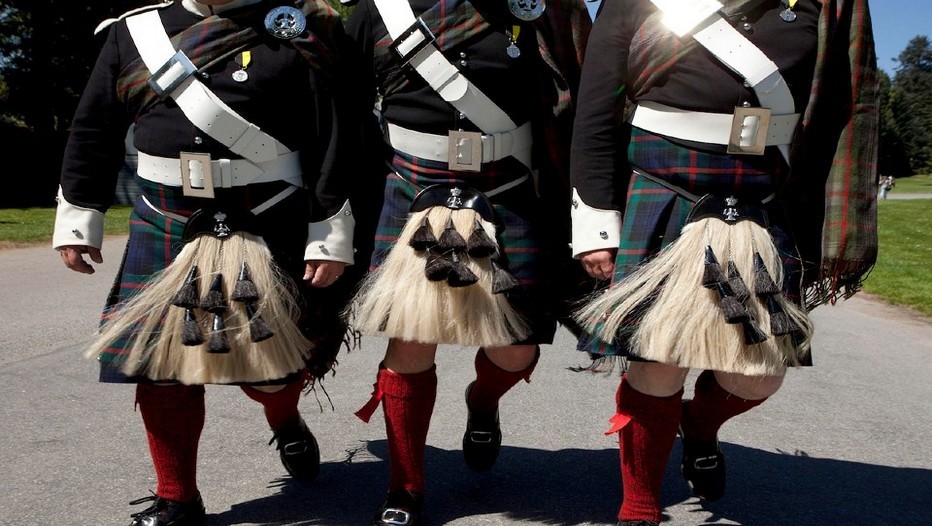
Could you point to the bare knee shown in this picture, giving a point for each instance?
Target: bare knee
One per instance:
(656, 379)
(512, 358)
(409, 357)
(749, 387)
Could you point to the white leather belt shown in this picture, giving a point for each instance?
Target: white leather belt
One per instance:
(188, 171)
(747, 131)
(463, 150)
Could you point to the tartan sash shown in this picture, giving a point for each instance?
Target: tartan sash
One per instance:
(215, 39)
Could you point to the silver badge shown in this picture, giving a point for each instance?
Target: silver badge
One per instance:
(285, 22)
(787, 15)
(240, 75)
(513, 50)
(527, 10)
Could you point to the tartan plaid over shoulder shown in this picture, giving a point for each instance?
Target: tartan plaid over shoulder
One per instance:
(833, 180)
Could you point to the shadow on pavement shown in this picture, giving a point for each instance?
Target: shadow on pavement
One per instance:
(573, 486)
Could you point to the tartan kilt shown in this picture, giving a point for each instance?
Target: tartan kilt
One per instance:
(155, 241)
(518, 217)
(654, 215)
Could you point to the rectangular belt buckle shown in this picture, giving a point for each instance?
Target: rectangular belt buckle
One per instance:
(407, 45)
(748, 121)
(188, 188)
(465, 151)
(172, 73)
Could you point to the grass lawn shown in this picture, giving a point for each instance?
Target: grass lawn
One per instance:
(903, 274)
(917, 184)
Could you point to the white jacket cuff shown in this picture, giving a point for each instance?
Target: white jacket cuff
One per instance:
(593, 228)
(332, 238)
(75, 225)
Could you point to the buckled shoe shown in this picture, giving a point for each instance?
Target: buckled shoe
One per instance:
(483, 438)
(401, 508)
(298, 450)
(703, 467)
(164, 512)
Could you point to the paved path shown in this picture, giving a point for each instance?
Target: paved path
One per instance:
(845, 442)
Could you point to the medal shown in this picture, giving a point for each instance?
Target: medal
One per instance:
(527, 10)
(787, 15)
(243, 59)
(285, 22)
(513, 50)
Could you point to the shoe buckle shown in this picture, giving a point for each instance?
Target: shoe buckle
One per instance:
(295, 448)
(480, 437)
(702, 463)
(395, 516)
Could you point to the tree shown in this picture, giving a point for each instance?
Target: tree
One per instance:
(911, 103)
(892, 152)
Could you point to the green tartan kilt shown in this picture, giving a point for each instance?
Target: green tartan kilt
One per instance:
(155, 240)
(526, 249)
(654, 215)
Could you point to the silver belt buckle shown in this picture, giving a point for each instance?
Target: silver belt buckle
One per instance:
(188, 188)
(743, 118)
(465, 151)
(173, 72)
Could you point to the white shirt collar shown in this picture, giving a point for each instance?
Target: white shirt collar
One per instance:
(205, 10)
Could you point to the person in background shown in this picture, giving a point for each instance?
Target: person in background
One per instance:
(475, 101)
(243, 228)
(737, 195)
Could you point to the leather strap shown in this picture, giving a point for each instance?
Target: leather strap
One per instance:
(414, 43)
(204, 109)
(494, 147)
(712, 128)
(703, 19)
(226, 173)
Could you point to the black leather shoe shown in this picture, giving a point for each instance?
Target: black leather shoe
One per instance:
(483, 438)
(401, 508)
(164, 512)
(298, 450)
(703, 467)
(637, 523)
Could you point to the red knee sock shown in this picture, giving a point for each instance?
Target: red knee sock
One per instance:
(281, 407)
(711, 407)
(492, 382)
(645, 441)
(174, 417)
(408, 402)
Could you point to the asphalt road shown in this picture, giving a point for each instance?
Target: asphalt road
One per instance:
(844, 443)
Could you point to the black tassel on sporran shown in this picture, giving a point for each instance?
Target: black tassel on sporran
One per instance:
(763, 283)
(259, 330)
(479, 244)
(450, 239)
(191, 332)
(244, 290)
(502, 280)
(736, 283)
(460, 275)
(186, 297)
(438, 266)
(423, 238)
(712, 274)
(780, 322)
(217, 343)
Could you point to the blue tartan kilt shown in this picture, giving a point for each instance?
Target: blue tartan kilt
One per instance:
(525, 248)
(654, 215)
(155, 240)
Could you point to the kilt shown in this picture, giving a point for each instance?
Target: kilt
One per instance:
(654, 215)
(155, 240)
(524, 247)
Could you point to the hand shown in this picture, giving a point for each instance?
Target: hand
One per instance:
(323, 273)
(599, 264)
(73, 256)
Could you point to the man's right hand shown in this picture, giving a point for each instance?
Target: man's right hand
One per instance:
(73, 257)
(599, 264)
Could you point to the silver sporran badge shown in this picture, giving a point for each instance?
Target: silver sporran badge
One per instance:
(527, 10)
(285, 22)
